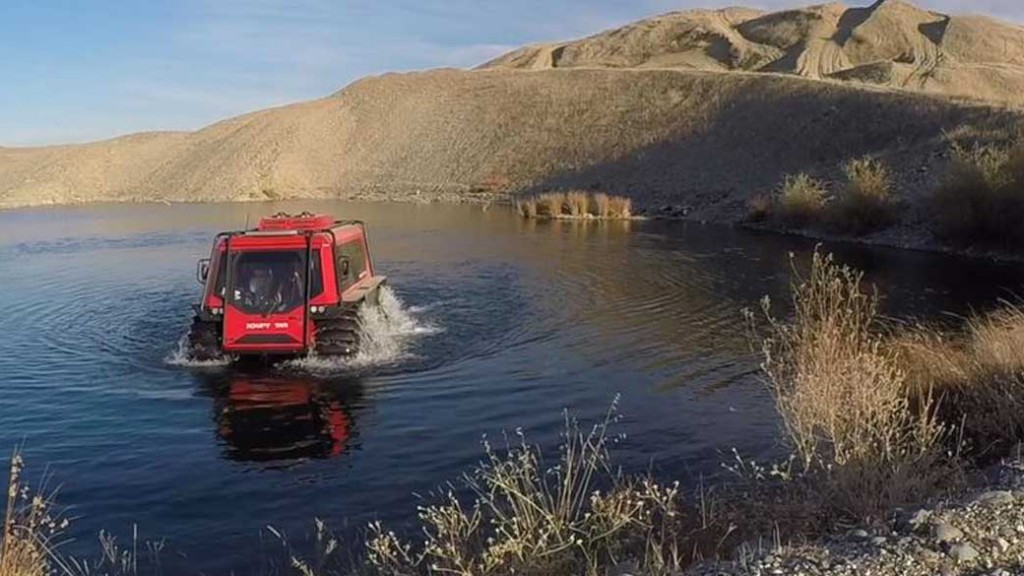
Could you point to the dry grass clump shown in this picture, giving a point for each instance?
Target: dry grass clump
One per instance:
(601, 205)
(760, 208)
(577, 203)
(528, 516)
(880, 415)
(845, 400)
(981, 201)
(30, 528)
(574, 204)
(620, 207)
(526, 207)
(801, 201)
(866, 202)
(550, 204)
(978, 378)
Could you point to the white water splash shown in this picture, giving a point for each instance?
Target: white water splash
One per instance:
(180, 357)
(386, 333)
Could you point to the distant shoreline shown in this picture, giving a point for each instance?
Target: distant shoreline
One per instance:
(916, 240)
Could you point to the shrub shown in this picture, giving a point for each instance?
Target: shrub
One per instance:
(527, 517)
(977, 377)
(759, 208)
(550, 204)
(29, 529)
(577, 203)
(866, 203)
(845, 401)
(601, 205)
(619, 207)
(981, 201)
(574, 204)
(802, 201)
(527, 207)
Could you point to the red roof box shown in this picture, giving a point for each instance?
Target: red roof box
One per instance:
(304, 221)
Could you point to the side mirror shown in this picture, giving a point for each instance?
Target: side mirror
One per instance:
(203, 270)
(343, 267)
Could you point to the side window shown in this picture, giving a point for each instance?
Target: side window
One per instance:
(221, 274)
(356, 257)
(316, 280)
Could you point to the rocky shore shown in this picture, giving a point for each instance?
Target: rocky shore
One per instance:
(980, 534)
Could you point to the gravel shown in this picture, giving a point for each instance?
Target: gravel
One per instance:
(981, 534)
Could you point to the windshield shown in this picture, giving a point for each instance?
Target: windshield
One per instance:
(268, 282)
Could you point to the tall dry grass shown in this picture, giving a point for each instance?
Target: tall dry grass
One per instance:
(527, 515)
(866, 202)
(33, 531)
(977, 377)
(601, 205)
(526, 207)
(577, 203)
(760, 208)
(574, 204)
(620, 207)
(802, 201)
(30, 528)
(845, 400)
(981, 201)
(550, 204)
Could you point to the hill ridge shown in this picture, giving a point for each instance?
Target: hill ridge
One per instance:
(891, 43)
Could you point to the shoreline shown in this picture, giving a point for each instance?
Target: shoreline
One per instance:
(979, 530)
(913, 239)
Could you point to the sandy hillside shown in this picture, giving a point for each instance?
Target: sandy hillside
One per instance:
(658, 120)
(891, 43)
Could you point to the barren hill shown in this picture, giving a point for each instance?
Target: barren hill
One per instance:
(650, 119)
(891, 43)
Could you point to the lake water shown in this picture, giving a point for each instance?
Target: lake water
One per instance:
(497, 324)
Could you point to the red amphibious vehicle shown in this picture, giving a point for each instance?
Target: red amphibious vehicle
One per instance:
(290, 286)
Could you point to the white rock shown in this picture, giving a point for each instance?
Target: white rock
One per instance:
(1003, 544)
(946, 532)
(919, 518)
(995, 498)
(963, 552)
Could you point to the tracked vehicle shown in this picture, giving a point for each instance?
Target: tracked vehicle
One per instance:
(290, 286)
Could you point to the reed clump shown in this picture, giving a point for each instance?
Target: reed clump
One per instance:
(530, 516)
(977, 377)
(575, 204)
(801, 201)
(30, 527)
(859, 437)
(526, 207)
(981, 201)
(866, 202)
(601, 205)
(519, 513)
(760, 208)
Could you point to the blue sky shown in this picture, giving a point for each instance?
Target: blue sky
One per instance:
(77, 70)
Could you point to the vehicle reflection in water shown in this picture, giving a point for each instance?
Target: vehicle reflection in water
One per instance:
(282, 417)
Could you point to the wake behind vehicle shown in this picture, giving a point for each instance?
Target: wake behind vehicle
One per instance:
(290, 286)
